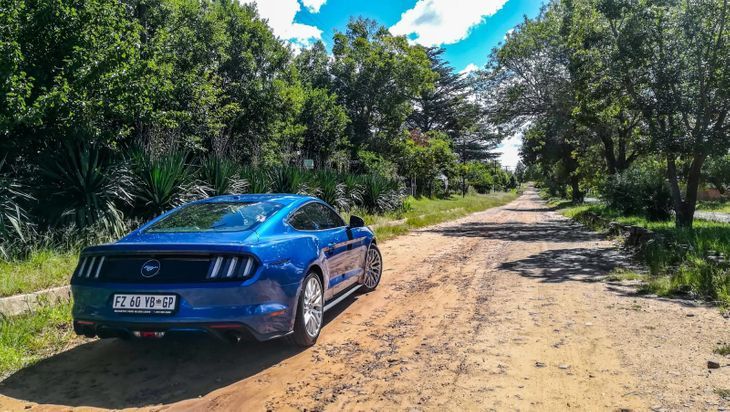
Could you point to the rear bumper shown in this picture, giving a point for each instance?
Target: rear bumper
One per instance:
(225, 331)
(263, 309)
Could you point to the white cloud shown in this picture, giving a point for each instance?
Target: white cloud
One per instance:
(436, 22)
(471, 67)
(313, 5)
(280, 14)
(509, 151)
(510, 31)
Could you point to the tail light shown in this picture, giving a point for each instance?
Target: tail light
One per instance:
(231, 267)
(89, 267)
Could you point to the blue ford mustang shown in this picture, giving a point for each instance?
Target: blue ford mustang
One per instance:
(260, 266)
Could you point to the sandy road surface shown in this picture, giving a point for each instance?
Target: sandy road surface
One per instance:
(501, 310)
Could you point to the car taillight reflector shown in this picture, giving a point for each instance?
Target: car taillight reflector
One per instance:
(231, 267)
(89, 267)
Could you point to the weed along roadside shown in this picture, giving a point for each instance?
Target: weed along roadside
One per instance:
(686, 263)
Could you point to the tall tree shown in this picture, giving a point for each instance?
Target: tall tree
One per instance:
(68, 70)
(675, 63)
(437, 107)
(376, 77)
(528, 85)
(603, 106)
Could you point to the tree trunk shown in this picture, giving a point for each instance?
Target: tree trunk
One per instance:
(685, 208)
(608, 152)
(577, 195)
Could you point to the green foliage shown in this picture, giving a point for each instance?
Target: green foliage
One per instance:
(380, 194)
(640, 190)
(114, 112)
(484, 177)
(375, 164)
(426, 159)
(325, 121)
(28, 338)
(288, 180)
(332, 190)
(376, 75)
(161, 183)
(597, 85)
(716, 171)
(723, 350)
(16, 227)
(257, 180)
(221, 176)
(85, 187)
(681, 261)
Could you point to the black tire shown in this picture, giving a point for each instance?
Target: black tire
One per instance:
(302, 335)
(373, 274)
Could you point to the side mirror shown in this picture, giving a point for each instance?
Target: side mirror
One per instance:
(356, 221)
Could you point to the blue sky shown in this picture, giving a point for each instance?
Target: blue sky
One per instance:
(467, 29)
(473, 49)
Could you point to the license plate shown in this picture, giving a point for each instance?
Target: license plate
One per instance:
(144, 304)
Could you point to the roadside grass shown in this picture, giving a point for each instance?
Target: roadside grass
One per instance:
(426, 212)
(28, 338)
(622, 274)
(42, 269)
(723, 393)
(714, 206)
(723, 349)
(687, 262)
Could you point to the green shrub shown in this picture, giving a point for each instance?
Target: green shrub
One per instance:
(85, 186)
(640, 190)
(380, 194)
(288, 180)
(16, 225)
(331, 189)
(163, 183)
(353, 190)
(256, 180)
(221, 177)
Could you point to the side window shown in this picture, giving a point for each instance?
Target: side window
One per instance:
(315, 216)
(330, 218)
(301, 220)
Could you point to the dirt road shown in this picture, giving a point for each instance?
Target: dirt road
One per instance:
(501, 310)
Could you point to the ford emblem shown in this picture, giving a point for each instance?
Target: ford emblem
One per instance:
(150, 268)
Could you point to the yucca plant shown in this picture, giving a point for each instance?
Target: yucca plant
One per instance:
(381, 194)
(86, 186)
(256, 180)
(16, 227)
(163, 183)
(353, 190)
(288, 180)
(331, 189)
(220, 176)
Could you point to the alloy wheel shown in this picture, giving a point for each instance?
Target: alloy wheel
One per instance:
(313, 307)
(373, 269)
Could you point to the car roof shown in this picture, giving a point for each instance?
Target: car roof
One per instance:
(282, 198)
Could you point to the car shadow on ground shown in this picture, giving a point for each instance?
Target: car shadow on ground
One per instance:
(117, 374)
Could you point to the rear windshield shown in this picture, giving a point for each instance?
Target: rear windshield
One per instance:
(216, 217)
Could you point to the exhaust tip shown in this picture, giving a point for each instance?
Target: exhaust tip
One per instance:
(234, 337)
